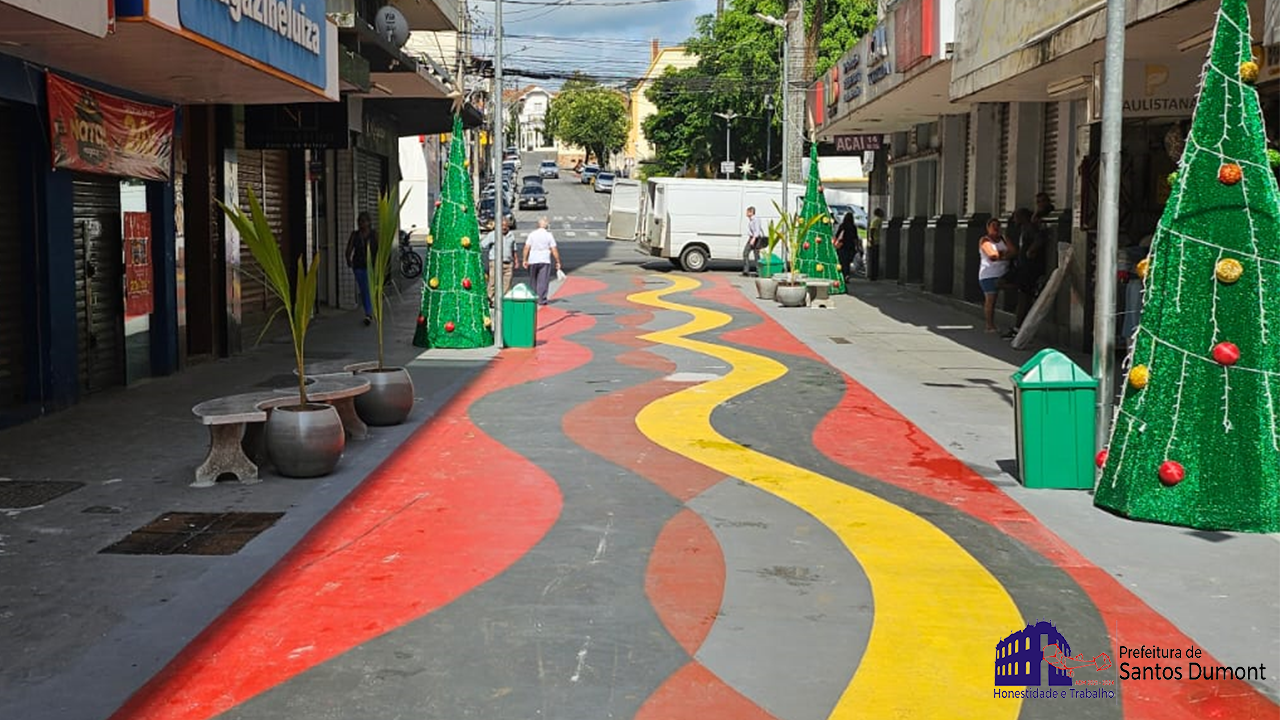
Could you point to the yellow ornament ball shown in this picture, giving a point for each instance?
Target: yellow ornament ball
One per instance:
(466, 242)
(431, 239)
(819, 267)
(1143, 266)
(1138, 376)
(1249, 71)
(434, 283)
(488, 321)
(1228, 270)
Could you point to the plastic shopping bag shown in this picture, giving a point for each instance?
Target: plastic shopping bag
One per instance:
(559, 274)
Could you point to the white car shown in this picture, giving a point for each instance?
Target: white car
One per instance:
(604, 182)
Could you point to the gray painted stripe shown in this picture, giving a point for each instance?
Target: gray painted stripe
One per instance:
(797, 607)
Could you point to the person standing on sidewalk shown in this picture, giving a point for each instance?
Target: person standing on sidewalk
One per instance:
(874, 232)
(847, 245)
(755, 241)
(539, 250)
(993, 264)
(508, 256)
(359, 248)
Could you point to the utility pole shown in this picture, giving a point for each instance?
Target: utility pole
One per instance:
(1104, 327)
(768, 134)
(728, 118)
(785, 24)
(500, 241)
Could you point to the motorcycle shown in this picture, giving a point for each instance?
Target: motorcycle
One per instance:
(410, 260)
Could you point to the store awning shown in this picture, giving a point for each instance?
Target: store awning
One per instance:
(423, 116)
(918, 99)
(394, 74)
(26, 21)
(428, 14)
(153, 59)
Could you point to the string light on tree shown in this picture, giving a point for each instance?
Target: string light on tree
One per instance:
(455, 307)
(1195, 441)
(817, 256)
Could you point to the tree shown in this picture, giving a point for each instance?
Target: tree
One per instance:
(739, 63)
(589, 116)
(455, 301)
(1196, 439)
(817, 254)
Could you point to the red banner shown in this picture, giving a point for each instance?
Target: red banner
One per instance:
(138, 296)
(100, 133)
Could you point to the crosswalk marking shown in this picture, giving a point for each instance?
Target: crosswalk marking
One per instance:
(593, 233)
(571, 234)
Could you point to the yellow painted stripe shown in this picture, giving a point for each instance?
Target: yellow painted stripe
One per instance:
(938, 612)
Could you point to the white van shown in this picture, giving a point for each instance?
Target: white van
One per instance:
(691, 222)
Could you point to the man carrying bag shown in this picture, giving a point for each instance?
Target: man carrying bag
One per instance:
(756, 241)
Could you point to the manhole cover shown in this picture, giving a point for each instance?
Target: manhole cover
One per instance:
(30, 493)
(186, 533)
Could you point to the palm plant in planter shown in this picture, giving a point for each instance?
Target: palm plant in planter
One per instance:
(390, 396)
(307, 439)
(789, 231)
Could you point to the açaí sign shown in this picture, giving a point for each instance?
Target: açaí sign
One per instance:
(285, 34)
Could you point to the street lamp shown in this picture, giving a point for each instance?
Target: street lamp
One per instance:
(728, 117)
(786, 102)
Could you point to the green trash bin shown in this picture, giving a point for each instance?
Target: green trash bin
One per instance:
(1053, 416)
(769, 266)
(519, 317)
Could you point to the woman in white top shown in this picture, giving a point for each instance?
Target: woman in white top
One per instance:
(994, 257)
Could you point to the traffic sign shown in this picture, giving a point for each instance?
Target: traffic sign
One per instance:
(728, 167)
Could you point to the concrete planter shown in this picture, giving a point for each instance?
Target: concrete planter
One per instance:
(390, 397)
(765, 287)
(305, 440)
(792, 295)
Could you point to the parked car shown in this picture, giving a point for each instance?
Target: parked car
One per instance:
(604, 182)
(589, 173)
(528, 180)
(549, 169)
(859, 215)
(485, 215)
(532, 197)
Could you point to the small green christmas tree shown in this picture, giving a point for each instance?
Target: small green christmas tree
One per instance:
(455, 303)
(1195, 439)
(817, 257)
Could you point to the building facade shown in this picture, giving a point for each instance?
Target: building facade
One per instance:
(639, 149)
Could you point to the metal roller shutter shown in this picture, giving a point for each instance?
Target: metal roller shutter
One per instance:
(370, 178)
(99, 280)
(1049, 164)
(1002, 196)
(267, 172)
(971, 129)
(13, 343)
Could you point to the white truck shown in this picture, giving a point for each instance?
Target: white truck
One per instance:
(692, 222)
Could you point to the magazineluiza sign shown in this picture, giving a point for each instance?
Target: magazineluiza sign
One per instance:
(285, 34)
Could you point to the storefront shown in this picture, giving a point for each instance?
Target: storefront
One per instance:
(14, 339)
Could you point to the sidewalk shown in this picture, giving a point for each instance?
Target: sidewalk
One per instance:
(82, 627)
(933, 363)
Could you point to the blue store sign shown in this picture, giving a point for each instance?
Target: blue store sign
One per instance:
(285, 34)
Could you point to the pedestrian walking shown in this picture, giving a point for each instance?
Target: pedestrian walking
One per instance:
(875, 231)
(756, 241)
(359, 248)
(993, 264)
(848, 245)
(1028, 268)
(539, 251)
(509, 265)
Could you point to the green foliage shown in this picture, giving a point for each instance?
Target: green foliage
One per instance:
(789, 231)
(588, 115)
(739, 64)
(296, 302)
(380, 264)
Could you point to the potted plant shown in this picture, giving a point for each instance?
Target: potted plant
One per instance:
(766, 283)
(390, 396)
(789, 231)
(307, 439)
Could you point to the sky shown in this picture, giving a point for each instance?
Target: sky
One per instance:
(605, 38)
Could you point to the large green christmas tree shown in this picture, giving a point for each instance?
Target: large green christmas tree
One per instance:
(1195, 441)
(455, 304)
(817, 257)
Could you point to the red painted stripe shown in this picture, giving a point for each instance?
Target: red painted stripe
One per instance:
(685, 579)
(888, 447)
(423, 529)
(695, 693)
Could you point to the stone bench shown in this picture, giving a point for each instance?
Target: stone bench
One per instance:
(820, 293)
(236, 423)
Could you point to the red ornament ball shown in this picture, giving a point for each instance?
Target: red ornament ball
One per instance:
(1172, 472)
(422, 320)
(805, 246)
(1101, 458)
(1226, 353)
(448, 327)
(818, 241)
(437, 203)
(1229, 174)
(466, 283)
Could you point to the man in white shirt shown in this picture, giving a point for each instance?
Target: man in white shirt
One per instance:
(539, 250)
(508, 256)
(756, 240)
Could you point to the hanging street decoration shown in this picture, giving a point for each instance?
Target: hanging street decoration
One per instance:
(1196, 437)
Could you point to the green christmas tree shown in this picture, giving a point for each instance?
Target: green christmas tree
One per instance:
(455, 304)
(1194, 441)
(817, 257)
